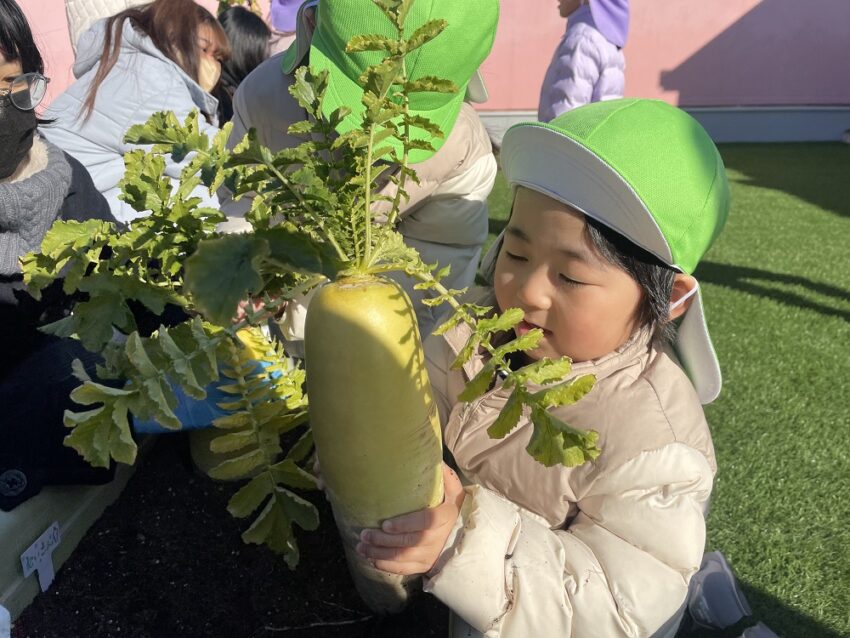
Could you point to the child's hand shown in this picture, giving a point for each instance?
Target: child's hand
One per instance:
(411, 543)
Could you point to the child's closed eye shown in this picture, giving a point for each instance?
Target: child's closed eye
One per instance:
(569, 281)
(515, 257)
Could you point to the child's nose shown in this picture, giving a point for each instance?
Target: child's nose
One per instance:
(535, 291)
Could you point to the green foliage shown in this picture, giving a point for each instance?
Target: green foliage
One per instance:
(265, 406)
(325, 208)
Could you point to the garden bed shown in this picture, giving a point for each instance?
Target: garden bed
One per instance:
(167, 560)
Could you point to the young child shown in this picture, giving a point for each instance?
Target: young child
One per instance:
(588, 64)
(615, 203)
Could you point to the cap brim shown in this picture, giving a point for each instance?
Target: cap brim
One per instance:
(696, 353)
(545, 160)
(476, 90)
(343, 91)
(295, 55)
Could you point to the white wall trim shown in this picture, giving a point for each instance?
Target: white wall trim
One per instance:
(731, 123)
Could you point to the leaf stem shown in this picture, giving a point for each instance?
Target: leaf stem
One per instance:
(402, 178)
(367, 208)
(316, 216)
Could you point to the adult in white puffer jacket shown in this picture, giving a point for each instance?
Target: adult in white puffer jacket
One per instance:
(167, 58)
(588, 64)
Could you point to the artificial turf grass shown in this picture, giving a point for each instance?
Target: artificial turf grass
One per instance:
(777, 295)
(777, 290)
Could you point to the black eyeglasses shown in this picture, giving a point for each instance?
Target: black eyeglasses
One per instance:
(26, 91)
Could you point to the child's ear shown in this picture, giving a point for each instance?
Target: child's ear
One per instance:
(684, 290)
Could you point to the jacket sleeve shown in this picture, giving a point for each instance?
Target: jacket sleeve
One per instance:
(262, 102)
(621, 567)
(570, 79)
(83, 200)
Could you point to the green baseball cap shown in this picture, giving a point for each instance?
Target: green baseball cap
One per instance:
(650, 172)
(454, 55)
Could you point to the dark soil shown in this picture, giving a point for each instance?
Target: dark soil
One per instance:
(166, 559)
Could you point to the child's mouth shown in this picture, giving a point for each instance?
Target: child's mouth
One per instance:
(523, 327)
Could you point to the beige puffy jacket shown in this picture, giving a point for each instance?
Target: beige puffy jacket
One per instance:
(446, 217)
(605, 549)
(84, 13)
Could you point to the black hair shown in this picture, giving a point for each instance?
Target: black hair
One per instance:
(249, 37)
(654, 277)
(16, 42)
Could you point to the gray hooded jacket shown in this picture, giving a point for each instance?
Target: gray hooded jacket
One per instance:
(142, 82)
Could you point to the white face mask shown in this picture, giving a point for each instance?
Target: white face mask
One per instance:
(209, 71)
(684, 297)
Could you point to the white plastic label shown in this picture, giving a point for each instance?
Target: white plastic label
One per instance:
(38, 557)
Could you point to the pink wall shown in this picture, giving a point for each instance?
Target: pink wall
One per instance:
(692, 52)
(688, 52)
(50, 29)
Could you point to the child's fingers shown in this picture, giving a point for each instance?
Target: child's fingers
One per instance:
(317, 474)
(380, 538)
(417, 521)
(404, 560)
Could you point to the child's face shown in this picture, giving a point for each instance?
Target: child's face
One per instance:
(568, 7)
(586, 306)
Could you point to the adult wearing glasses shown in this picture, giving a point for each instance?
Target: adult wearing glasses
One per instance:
(162, 56)
(39, 184)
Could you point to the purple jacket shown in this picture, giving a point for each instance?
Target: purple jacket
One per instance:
(585, 68)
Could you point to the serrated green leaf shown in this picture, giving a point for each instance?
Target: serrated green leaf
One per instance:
(96, 317)
(500, 323)
(468, 350)
(545, 371)
(372, 42)
(378, 79)
(122, 448)
(102, 434)
(553, 442)
(430, 84)
(302, 447)
(447, 325)
(138, 356)
(426, 33)
(273, 527)
(233, 441)
(90, 393)
(427, 125)
(182, 365)
(159, 398)
(529, 341)
(299, 252)
(238, 467)
(223, 272)
(479, 384)
(287, 472)
(251, 495)
(304, 127)
(508, 417)
(565, 393)
(63, 328)
(233, 421)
